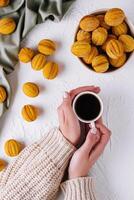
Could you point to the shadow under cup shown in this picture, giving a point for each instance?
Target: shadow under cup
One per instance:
(88, 107)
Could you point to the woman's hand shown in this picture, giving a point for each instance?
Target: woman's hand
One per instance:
(84, 158)
(78, 90)
(84, 127)
(69, 124)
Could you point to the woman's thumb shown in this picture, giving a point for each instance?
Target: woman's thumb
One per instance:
(67, 98)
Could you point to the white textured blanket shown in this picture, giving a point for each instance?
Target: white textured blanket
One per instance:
(114, 171)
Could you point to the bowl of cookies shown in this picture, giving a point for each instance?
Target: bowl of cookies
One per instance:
(104, 40)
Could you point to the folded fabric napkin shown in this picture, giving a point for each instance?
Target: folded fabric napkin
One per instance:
(26, 13)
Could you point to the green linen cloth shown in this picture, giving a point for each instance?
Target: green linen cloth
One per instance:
(27, 13)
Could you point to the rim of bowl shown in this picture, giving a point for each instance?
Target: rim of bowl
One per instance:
(131, 28)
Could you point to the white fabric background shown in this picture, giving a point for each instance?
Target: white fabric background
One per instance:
(114, 172)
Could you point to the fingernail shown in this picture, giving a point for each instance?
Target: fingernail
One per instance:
(65, 95)
(89, 125)
(97, 88)
(93, 131)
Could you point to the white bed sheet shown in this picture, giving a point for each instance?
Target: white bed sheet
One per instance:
(114, 172)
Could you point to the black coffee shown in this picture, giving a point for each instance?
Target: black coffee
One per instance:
(87, 107)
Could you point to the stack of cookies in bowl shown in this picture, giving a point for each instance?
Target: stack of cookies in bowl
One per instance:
(104, 40)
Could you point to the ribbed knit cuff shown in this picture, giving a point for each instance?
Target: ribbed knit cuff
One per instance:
(79, 189)
(57, 148)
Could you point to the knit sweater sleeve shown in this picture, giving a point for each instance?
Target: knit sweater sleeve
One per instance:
(38, 170)
(79, 189)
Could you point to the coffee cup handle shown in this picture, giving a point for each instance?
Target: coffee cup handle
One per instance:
(93, 128)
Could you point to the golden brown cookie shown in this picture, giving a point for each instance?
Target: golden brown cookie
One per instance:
(47, 47)
(29, 113)
(110, 37)
(4, 3)
(2, 164)
(114, 49)
(102, 22)
(99, 36)
(119, 62)
(83, 35)
(128, 42)
(81, 48)
(120, 29)
(30, 89)
(3, 94)
(26, 54)
(7, 26)
(50, 70)
(93, 53)
(12, 148)
(114, 17)
(100, 64)
(89, 23)
(38, 62)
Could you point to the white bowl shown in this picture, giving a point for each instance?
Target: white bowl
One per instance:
(131, 29)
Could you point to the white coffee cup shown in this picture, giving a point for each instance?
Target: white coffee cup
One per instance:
(90, 122)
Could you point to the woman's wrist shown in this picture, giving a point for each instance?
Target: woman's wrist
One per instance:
(75, 175)
(71, 139)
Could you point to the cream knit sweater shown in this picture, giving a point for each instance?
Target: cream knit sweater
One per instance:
(37, 172)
